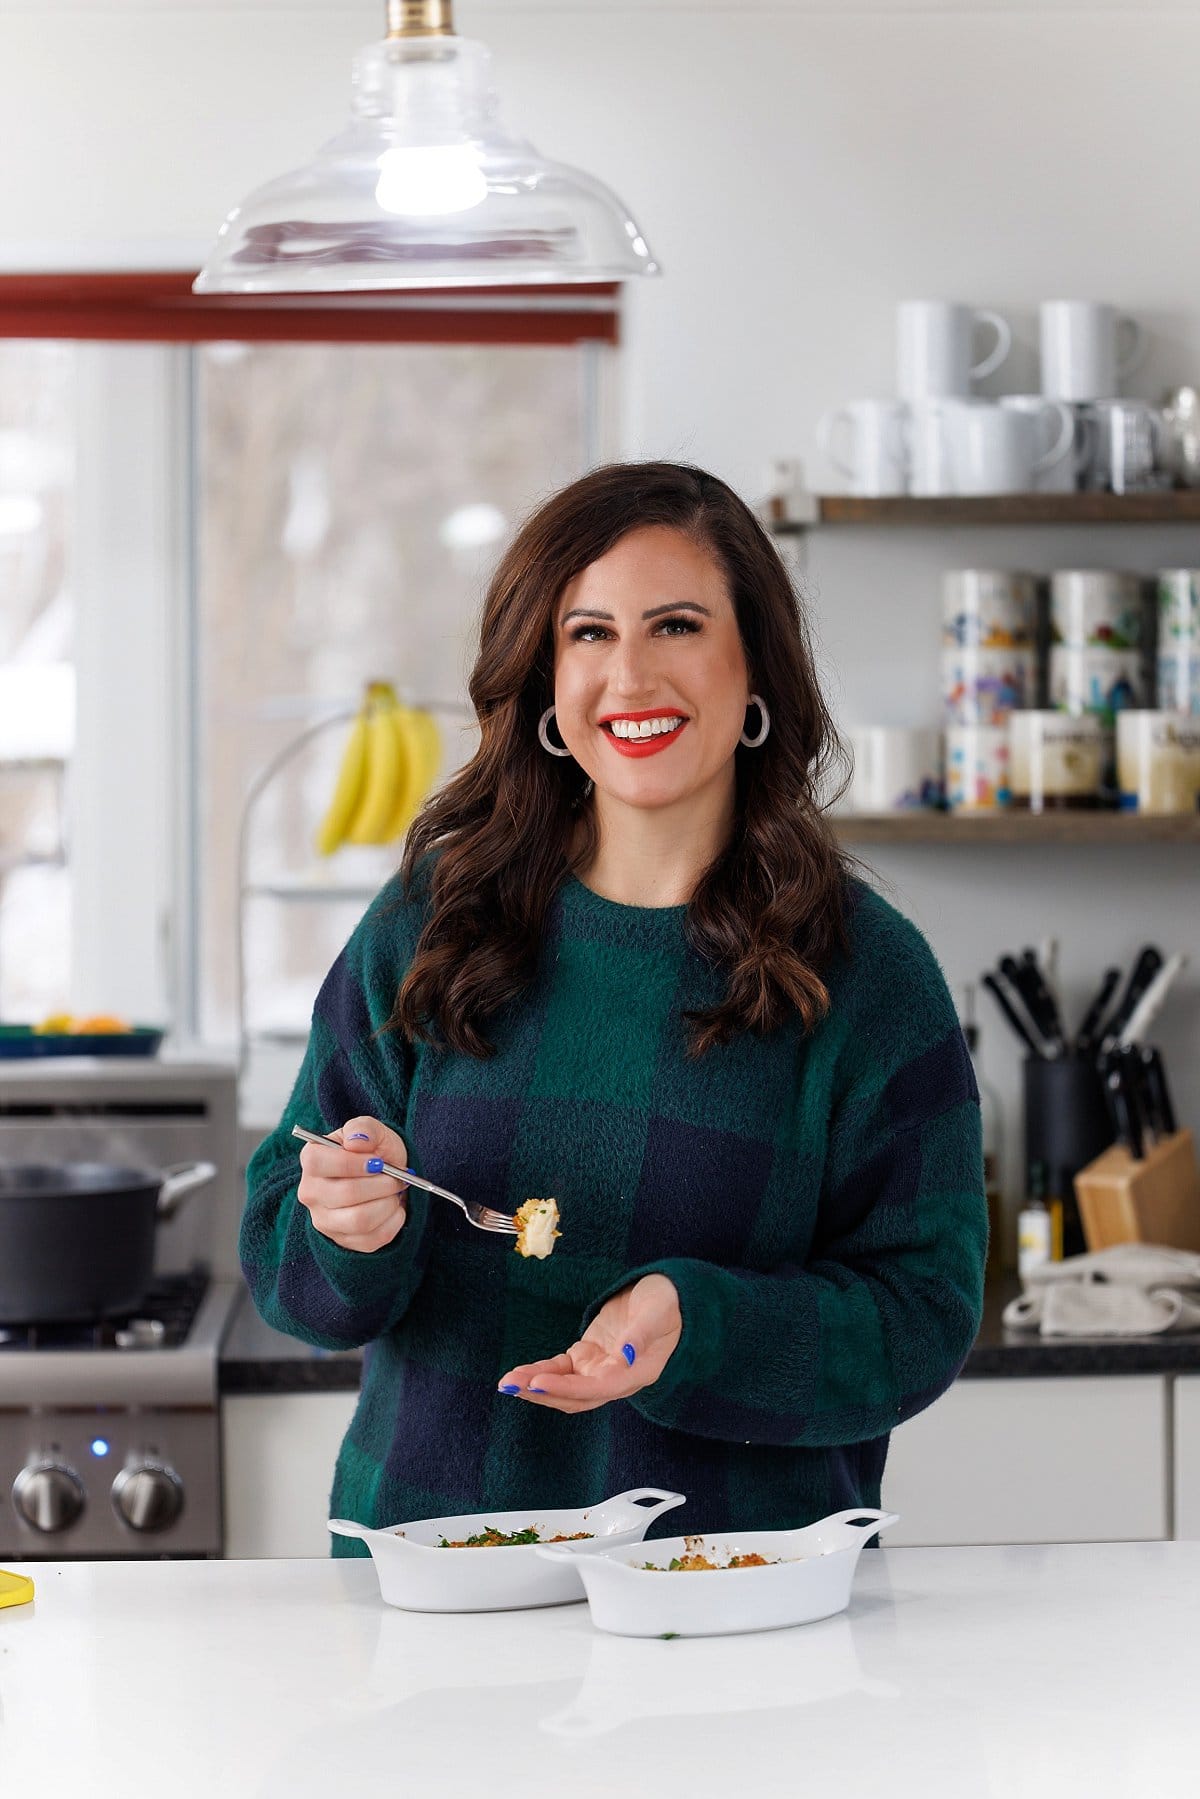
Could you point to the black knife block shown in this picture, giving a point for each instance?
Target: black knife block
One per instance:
(1066, 1127)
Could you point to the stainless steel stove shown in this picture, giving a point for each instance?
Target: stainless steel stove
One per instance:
(110, 1433)
(110, 1440)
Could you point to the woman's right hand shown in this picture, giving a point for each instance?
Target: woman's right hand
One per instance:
(354, 1209)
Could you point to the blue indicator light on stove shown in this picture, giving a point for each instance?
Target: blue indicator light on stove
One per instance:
(99, 1446)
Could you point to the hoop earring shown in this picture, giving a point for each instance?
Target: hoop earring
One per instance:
(544, 734)
(754, 743)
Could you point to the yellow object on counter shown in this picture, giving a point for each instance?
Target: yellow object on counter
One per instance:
(15, 1589)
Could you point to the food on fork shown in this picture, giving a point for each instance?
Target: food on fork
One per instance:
(537, 1227)
(491, 1538)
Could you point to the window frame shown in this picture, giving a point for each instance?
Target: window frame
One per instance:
(158, 306)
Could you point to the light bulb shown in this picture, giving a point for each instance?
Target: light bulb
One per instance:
(426, 181)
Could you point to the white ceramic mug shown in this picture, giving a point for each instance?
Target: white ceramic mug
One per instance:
(895, 769)
(977, 778)
(1081, 359)
(1178, 679)
(995, 449)
(876, 460)
(1096, 608)
(1056, 760)
(934, 348)
(1178, 596)
(1103, 682)
(930, 450)
(981, 687)
(987, 608)
(1158, 762)
(1061, 426)
(1131, 444)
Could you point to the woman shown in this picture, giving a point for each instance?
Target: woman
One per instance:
(625, 966)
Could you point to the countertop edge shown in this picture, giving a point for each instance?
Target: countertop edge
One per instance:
(259, 1360)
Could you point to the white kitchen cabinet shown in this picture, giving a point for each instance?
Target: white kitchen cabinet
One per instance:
(279, 1450)
(1187, 1455)
(1046, 1460)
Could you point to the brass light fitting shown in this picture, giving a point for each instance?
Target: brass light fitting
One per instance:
(420, 18)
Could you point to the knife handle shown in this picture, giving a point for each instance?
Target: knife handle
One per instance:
(1026, 983)
(1155, 1078)
(1013, 1016)
(1141, 1106)
(1088, 1030)
(1143, 972)
(1128, 1130)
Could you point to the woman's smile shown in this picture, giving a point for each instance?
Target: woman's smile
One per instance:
(642, 733)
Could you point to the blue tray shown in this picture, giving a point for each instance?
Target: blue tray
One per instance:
(20, 1042)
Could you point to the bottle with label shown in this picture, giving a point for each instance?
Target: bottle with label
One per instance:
(999, 1250)
(1039, 1228)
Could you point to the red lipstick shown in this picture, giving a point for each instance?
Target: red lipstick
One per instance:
(642, 746)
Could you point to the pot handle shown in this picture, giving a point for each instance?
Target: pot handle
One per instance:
(178, 1181)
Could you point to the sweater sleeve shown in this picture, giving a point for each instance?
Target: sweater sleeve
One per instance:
(878, 1319)
(302, 1283)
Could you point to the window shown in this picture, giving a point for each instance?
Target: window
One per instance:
(265, 504)
(37, 699)
(352, 501)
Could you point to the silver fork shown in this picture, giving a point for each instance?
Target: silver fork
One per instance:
(484, 1218)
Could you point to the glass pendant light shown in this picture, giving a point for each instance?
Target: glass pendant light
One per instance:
(424, 188)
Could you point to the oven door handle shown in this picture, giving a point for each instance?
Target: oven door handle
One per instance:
(178, 1181)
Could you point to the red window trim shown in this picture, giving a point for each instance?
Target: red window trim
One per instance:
(160, 307)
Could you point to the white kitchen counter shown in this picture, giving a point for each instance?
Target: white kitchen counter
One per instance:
(1029, 1672)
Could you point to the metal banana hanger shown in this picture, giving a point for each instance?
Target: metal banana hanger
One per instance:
(246, 889)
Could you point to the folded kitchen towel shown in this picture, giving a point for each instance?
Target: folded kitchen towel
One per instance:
(1129, 1290)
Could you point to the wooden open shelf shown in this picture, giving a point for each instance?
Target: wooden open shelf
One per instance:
(1175, 507)
(960, 828)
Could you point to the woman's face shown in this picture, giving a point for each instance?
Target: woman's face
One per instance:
(650, 678)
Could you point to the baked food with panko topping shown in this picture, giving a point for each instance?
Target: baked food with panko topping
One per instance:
(537, 1227)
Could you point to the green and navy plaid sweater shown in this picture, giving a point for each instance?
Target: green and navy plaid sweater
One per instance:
(816, 1199)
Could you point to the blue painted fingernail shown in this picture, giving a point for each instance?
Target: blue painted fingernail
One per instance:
(374, 1164)
(629, 1352)
(541, 1390)
(359, 1137)
(510, 1389)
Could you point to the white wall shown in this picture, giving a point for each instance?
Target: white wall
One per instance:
(797, 168)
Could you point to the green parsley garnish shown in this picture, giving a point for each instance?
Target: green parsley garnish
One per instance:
(492, 1538)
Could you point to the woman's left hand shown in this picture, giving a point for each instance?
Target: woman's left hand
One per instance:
(625, 1348)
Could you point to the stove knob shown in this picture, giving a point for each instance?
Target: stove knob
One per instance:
(148, 1496)
(48, 1496)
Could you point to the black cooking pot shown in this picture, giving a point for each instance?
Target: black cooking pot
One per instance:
(77, 1238)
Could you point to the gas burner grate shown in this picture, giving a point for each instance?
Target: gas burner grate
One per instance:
(168, 1309)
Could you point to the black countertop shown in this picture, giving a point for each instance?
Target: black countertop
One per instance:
(257, 1359)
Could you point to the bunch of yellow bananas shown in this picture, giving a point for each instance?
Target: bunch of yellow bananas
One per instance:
(389, 765)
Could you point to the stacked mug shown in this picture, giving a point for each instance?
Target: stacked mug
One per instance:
(987, 675)
(1177, 592)
(1087, 350)
(938, 437)
(1158, 751)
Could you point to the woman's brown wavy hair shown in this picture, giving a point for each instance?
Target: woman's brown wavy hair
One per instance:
(769, 911)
